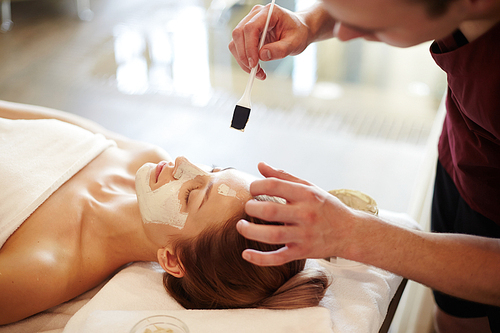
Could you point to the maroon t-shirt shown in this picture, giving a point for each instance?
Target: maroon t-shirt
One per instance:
(469, 147)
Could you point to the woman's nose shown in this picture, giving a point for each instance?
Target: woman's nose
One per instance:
(178, 166)
(180, 160)
(183, 166)
(345, 33)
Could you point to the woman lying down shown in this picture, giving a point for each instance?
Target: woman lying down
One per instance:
(111, 201)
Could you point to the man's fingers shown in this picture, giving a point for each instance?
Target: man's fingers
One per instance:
(261, 74)
(268, 171)
(271, 258)
(272, 211)
(270, 234)
(246, 39)
(243, 62)
(252, 30)
(238, 46)
(291, 192)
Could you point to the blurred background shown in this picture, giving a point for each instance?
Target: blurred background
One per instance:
(342, 115)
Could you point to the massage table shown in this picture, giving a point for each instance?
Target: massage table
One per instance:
(358, 300)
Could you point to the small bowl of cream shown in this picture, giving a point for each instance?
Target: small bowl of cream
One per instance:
(160, 324)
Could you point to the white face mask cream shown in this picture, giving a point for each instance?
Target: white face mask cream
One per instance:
(226, 191)
(163, 205)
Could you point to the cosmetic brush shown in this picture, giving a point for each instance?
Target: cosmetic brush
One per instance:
(243, 106)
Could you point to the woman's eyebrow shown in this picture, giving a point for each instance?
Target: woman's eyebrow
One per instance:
(207, 193)
(214, 167)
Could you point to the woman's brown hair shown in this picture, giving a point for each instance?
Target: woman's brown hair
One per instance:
(217, 277)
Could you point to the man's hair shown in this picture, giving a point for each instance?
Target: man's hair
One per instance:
(435, 8)
(217, 277)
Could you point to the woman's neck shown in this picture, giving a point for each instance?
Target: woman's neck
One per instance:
(120, 231)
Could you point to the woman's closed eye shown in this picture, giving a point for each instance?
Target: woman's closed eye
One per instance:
(188, 193)
(198, 185)
(219, 169)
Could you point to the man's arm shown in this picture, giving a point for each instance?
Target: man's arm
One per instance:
(463, 266)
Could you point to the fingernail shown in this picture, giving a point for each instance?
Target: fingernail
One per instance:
(239, 225)
(268, 55)
(246, 256)
(251, 63)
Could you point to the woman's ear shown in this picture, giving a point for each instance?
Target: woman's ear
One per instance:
(170, 263)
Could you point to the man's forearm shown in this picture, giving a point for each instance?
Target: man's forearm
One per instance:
(460, 265)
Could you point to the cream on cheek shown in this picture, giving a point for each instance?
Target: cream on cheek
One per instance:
(163, 205)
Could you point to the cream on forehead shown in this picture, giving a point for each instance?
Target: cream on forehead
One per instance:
(163, 205)
(226, 191)
(237, 186)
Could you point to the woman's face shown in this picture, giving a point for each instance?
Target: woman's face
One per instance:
(181, 198)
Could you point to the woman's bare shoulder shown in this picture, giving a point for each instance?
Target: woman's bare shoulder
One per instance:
(138, 153)
(32, 279)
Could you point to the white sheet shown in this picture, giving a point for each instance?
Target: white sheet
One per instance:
(220, 321)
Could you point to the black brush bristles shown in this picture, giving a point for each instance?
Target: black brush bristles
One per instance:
(240, 117)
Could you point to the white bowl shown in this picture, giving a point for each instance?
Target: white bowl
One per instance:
(160, 324)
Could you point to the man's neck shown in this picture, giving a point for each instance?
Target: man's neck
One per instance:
(476, 27)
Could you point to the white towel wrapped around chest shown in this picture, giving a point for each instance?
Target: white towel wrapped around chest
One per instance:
(36, 158)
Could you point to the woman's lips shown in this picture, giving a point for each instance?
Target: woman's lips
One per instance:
(159, 168)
